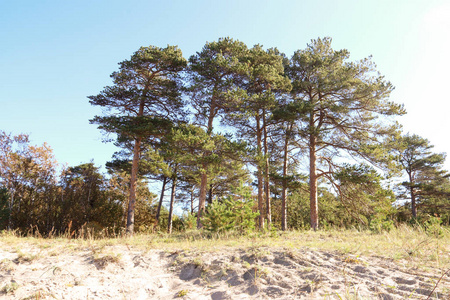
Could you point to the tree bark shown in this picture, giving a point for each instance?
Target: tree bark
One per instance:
(266, 173)
(133, 180)
(413, 203)
(313, 180)
(161, 198)
(134, 174)
(284, 191)
(204, 179)
(259, 174)
(202, 198)
(11, 203)
(412, 193)
(172, 200)
(192, 200)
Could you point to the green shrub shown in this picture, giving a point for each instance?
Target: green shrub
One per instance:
(379, 225)
(230, 214)
(433, 226)
(4, 208)
(189, 221)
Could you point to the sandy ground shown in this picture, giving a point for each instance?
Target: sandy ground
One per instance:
(119, 272)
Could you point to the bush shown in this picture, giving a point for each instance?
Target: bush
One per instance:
(189, 221)
(379, 225)
(433, 226)
(4, 208)
(230, 214)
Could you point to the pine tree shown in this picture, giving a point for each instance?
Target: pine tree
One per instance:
(423, 169)
(253, 101)
(360, 192)
(143, 101)
(285, 143)
(212, 74)
(346, 108)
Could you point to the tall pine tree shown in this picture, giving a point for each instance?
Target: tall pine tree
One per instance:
(256, 97)
(144, 98)
(346, 104)
(213, 73)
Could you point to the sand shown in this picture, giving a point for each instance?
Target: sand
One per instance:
(122, 272)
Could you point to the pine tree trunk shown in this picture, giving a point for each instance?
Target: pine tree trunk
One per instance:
(202, 198)
(210, 194)
(133, 180)
(11, 203)
(88, 207)
(283, 207)
(284, 191)
(313, 183)
(134, 173)
(204, 179)
(259, 174)
(413, 203)
(172, 200)
(266, 174)
(161, 198)
(192, 200)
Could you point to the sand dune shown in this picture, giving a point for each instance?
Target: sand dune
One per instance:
(121, 272)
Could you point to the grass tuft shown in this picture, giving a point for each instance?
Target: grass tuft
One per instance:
(6, 265)
(25, 257)
(9, 288)
(102, 260)
(182, 293)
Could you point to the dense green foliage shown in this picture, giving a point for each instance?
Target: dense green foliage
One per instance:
(230, 214)
(4, 209)
(238, 138)
(426, 183)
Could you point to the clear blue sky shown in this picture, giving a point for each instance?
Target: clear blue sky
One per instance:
(53, 54)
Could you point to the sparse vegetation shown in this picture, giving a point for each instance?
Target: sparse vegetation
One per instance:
(182, 293)
(25, 257)
(102, 260)
(10, 287)
(212, 259)
(6, 265)
(402, 242)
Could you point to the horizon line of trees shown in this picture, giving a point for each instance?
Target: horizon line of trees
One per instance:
(291, 141)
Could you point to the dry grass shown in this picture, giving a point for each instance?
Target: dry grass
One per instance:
(6, 265)
(102, 260)
(405, 246)
(9, 287)
(413, 246)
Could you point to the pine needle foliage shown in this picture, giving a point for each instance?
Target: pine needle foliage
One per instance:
(229, 214)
